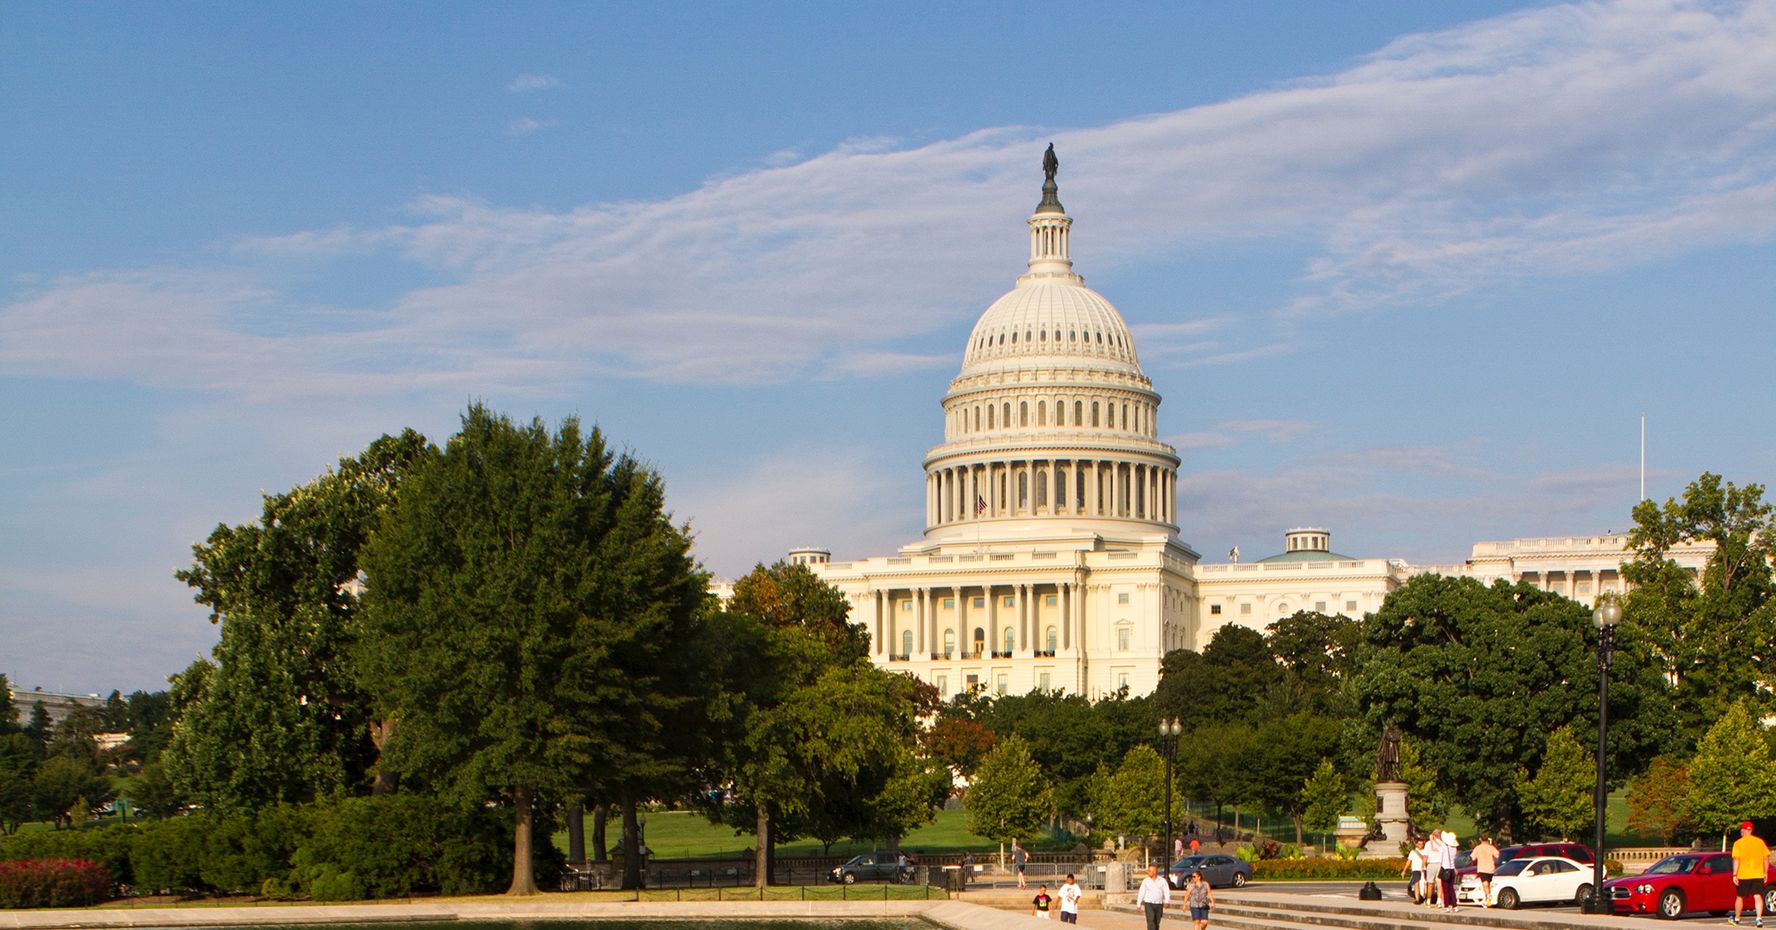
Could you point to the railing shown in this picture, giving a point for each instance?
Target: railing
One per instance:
(1001, 655)
(900, 657)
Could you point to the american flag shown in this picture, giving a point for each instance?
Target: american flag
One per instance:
(980, 505)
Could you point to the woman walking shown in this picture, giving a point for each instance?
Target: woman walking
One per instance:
(1199, 897)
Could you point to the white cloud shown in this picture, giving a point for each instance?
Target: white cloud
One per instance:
(526, 125)
(529, 83)
(1555, 141)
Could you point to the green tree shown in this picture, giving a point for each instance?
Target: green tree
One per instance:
(39, 727)
(513, 585)
(8, 710)
(1214, 767)
(1559, 799)
(1317, 653)
(1283, 755)
(1659, 801)
(1427, 802)
(1709, 635)
(281, 715)
(153, 794)
(1236, 679)
(18, 780)
(1732, 776)
(1324, 797)
(1478, 676)
(1009, 797)
(958, 742)
(149, 716)
(1131, 800)
(66, 787)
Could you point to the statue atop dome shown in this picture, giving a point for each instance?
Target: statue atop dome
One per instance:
(1051, 200)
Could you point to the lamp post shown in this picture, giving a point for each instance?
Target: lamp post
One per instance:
(1606, 616)
(1169, 731)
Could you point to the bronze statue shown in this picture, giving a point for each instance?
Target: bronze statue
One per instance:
(1050, 164)
(1387, 755)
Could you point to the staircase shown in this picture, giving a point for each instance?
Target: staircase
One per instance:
(1254, 910)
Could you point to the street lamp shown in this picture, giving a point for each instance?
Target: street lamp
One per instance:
(1606, 616)
(1169, 731)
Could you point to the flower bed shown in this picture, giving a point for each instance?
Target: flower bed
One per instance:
(53, 883)
(1329, 868)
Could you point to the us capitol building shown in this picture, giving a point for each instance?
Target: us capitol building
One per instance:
(1051, 558)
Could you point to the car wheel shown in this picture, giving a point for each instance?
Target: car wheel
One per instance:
(1770, 901)
(1509, 899)
(1583, 898)
(1239, 879)
(1671, 904)
(850, 878)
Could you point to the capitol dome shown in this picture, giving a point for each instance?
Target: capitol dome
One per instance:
(1050, 321)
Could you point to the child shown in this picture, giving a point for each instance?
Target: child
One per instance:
(1040, 903)
(1070, 895)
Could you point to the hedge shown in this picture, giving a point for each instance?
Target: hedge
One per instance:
(1328, 867)
(53, 883)
(341, 849)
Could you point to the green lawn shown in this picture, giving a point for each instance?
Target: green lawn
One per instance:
(682, 835)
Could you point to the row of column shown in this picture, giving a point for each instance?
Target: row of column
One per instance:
(1050, 487)
(926, 621)
(1569, 585)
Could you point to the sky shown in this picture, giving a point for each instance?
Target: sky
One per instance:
(1411, 271)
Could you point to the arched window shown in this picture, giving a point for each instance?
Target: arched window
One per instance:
(989, 417)
(980, 639)
(906, 642)
(1008, 639)
(1042, 336)
(1052, 637)
(1125, 416)
(1060, 413)
(1023, 413)
(977, 418)
(1078, 411)
(949, 641)
(1094, 413)
(1110, 415)
(1005, 415)
(1042, 413)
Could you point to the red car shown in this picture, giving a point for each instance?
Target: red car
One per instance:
(1683, 884)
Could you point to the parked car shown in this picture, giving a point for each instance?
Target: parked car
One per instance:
(868, 867)
(1577, 852)
(1531, 880)
(1683, 884)
(1219, 869)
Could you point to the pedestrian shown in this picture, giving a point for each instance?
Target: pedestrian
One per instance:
(1446, 872)
(1196, 843)
(1019, 859)
(1039, 904)
(1070, 895)
(1750, 856)
(1153, 897)
(1199, 897)
(1433, 856)
(1486, 860)
(1177, 848)
(1414, 869)
(967, 866)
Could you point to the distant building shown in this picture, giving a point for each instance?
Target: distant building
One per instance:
(57, 704)
(1051, 558)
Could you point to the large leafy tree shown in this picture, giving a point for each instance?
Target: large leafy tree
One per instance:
(1713, 636)
(1131, 800)
(8, 710)
(1236, 678)
(280, 714)
(1659, 801)
(1282, 756)
(1324, 797)
(1559, 799)
(1733, 775)
(1478, 676)
(19, 758)
(1316, 653)
(519, 588)
(1010, 798)
(1071, 737)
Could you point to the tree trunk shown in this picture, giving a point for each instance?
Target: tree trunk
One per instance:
(761, 866)
(771, 859)
(576, 832)
(631, 844)
(600, 852)
(380, 733)
(523, 880)
(1298, 840)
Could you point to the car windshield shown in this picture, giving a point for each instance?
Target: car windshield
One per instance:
(1189, 862)
(1672, 865)
(1514, 867)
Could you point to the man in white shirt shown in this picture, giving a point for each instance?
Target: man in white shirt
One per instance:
(1154, 895)
(1070, 895)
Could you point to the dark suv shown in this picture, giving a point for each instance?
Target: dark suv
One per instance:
(868, 867)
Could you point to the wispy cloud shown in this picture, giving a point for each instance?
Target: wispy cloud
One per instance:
(526, 125)
(1555, 141)
(530, 83)
(1229, 432)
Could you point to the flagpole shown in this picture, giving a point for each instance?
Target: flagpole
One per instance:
(1643, 456)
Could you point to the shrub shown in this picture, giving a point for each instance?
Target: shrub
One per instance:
(53, 883)
(241, 853)
(1327, 867)
(395, 845)
(167, 855)
(106, 846)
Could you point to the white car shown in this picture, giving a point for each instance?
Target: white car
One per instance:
(1537, 880)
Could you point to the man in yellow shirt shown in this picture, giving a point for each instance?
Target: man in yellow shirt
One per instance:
(1749, 856)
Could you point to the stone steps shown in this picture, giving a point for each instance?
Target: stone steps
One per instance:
(1282, 911)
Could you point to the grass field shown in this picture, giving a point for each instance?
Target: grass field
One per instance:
(683, 835)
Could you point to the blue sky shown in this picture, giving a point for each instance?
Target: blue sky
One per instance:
(1409, 270)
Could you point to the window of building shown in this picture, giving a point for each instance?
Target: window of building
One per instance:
(949, 641)
(1123, 636)
(943, 685)
(980, 639)
(1584, 587)
(1002, 684)
(906, 642)
(1122, 598)
(979, 602)
(1007, 602)
(1350, 605)
(1009, 640)
(1245, 608)
(906, 606)
(1042, 682)
(1215, 610)
(1320, 606)
(949, 603)
(1122, 680)
(1051, 600)
(1051, 637)
(1282, 609)
(973, 682)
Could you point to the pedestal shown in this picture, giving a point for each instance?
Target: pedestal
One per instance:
(1390, 813)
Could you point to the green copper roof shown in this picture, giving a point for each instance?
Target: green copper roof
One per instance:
(1309, 555)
